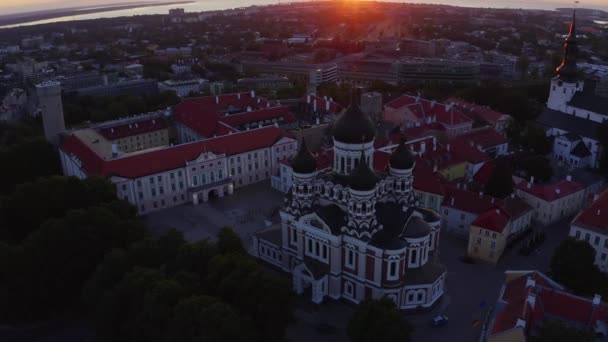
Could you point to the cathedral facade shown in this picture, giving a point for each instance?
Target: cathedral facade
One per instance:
(352, 233)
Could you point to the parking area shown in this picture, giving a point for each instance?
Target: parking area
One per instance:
(247, 211)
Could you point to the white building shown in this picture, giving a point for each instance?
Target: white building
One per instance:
(574, 108)
(194, 172)
(351, 233)
(591, 225)
(552, 202)
(184, 88)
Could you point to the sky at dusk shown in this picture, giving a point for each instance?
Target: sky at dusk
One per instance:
(14, 6)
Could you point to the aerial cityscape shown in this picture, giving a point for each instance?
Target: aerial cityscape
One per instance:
(296, 171)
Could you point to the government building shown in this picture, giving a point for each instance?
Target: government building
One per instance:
(348, 232)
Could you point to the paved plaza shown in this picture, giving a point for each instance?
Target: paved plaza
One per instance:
(250, 209)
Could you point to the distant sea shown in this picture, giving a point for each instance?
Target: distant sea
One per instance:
(211, 5)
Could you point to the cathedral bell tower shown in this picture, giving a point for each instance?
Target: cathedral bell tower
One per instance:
(304, 167)
(401, 165)
(362, 221)
(566, 83)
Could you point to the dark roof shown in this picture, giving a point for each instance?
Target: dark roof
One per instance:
(332, 215)
(590, 101)
(581, 150)
(272, 235)
(392, 219)
(425, 274)
(363, 178)
(416, 228)
(354, 126)
(571, 137)
(569, 123)
(402, 158)
(317, 268)
(304, 161)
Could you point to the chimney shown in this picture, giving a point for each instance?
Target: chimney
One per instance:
(248, 109)
(493, 203)
(557, 191)
(532, 179)
(314, 105)
(238, 96)
(434, 168)
(317, 121)
(114, 150)
(448, 147)
(276, 124)
(308, 99)
(422, 147)
(532, 300)
(513, 196)
(253, 94)
(529, 185)
(599, 211)
(569, 178)
(597, 300)
(267, 104)
(481, 194)
(217, 99)
(327, 104)
(520, 323)
(433, 103)
(259, 100)
(452, 200)
(498, 211)
(530, 282)
(596, 197)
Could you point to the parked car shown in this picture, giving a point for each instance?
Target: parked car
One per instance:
(439, 320)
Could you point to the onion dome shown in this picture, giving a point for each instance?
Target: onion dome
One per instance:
(354, 126)
(402, 158)
(362, 178)
(416, 228)
(304, 161)
(568, 70)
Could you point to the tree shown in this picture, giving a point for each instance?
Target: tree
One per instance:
(573, 265)
(500, 183)
(378, 320)
(555, 331)
(229, 242)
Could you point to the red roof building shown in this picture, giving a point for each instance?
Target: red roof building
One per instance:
(132, 128)
(528, 298)
(410, 111)
(591, 225)
(482, 114)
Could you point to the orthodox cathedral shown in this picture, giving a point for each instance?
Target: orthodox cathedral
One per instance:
(348, 232)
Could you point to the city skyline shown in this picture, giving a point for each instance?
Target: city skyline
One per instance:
(17, 6)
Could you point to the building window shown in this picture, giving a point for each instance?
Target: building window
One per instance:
(151, 180)
(392, 269)
(349, 289)
(597, 240)
(603, 257)
(587, 237)
(413, 256)
(578, 235)
(350, 258)
(294, 236)
(153, 191)
(195, 180)
(492, 244)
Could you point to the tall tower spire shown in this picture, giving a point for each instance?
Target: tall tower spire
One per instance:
(567, 71)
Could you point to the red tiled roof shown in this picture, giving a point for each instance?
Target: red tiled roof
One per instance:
(485, 137)
(550, 300)
(473, 110)
(426, 180)
(424, 130)
(236, 120)
(334, 107)
(204, 115)
(551, 192)
(596, 215)
(484, 173)
(447, 115)
(469, 201)
(515, 206)
(133, 128)
(494, 219)
(156, 161)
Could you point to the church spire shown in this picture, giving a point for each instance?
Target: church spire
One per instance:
(567, 71)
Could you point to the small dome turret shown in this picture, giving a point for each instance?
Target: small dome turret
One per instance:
(304, 162)
(402, 158)
(363, 178)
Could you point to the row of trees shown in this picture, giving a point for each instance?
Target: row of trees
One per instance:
(79, 109)
(69, 247)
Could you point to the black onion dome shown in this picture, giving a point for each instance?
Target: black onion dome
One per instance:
(354, 126)
(363, 178)
(416, 228)
(304, 161)
(402, 158)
